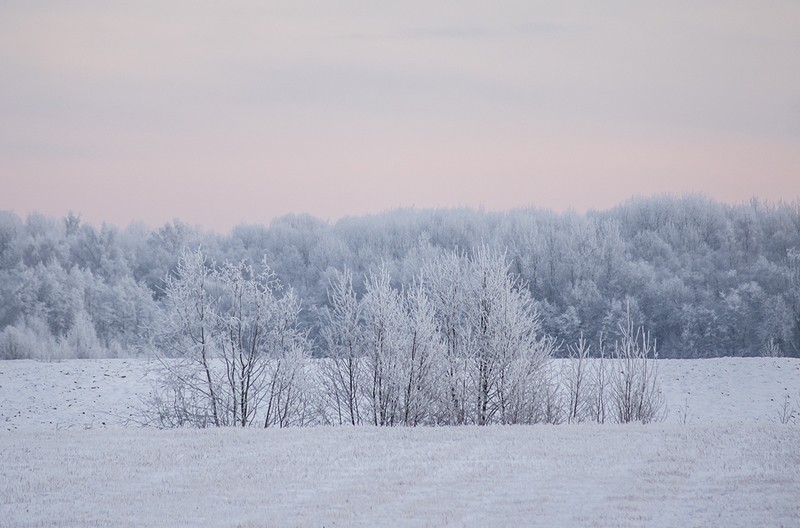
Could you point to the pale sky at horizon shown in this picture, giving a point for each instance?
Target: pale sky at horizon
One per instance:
(239, 112)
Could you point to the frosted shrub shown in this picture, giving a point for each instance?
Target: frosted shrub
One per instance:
(771, 349)
(289, 395)
(386, 344)
(623, 387)
(423, 393)
(81, 341)
(18, 343)
(787, 414)
(597, 405)
(463, 345)
(553, 403)
(30, 339)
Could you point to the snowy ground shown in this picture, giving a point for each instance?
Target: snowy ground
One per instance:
(66, 461)
(659, 475)
(86, 394)
(69, 394)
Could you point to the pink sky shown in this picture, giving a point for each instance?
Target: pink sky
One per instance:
(222, 114)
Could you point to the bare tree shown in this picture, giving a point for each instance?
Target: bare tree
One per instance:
(577, 381)
(597, 407)
(635, 388)
(551, 405)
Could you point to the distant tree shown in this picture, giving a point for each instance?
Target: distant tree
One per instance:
(11, 240)
(707, 279)
(793, 259)
(81, 340)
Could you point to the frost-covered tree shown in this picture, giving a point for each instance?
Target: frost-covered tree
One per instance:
(81, 341)
(793, 259)
(289, 391)
(423, 360)
(513, 352)
(495, 350)
(231, 346)
(386, 341)
(447, 287)
(343, 336)
(242, 327)
(185, 336)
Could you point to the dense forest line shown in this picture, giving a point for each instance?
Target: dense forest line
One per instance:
(705, 278)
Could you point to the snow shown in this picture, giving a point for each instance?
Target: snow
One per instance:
(108, 392)
(659, 475)
(78, 393)
(66, 459)
(729, 390)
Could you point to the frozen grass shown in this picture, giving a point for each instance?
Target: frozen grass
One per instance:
(65, 461)
(657, 475)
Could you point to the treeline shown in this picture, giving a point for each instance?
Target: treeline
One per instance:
(705, 278)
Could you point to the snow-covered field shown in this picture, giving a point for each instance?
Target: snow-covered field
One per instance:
(82, 394)
(66, 460)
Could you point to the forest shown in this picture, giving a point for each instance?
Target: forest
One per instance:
(706, 279)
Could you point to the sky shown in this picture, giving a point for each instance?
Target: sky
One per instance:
(221, 113)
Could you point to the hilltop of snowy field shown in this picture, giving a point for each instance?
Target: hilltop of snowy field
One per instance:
(71, 454)
(82, 394)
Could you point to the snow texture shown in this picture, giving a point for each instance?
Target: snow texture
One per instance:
(67, 460)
